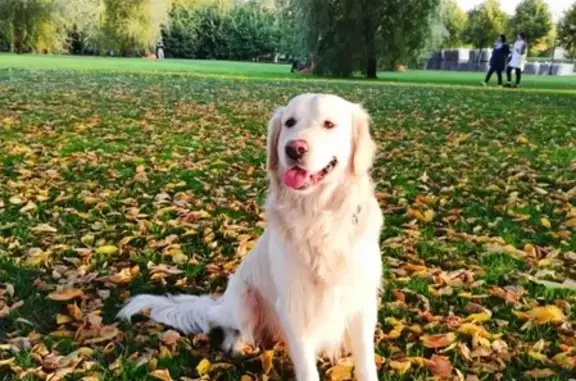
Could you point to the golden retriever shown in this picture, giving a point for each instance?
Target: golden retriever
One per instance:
(314, 276)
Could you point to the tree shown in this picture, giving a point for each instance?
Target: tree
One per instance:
(567, 31)
(455, 20)
(246, 31)
(349, 35)
(485, 22)
(131, 27)
(534, 18)
(33, 24)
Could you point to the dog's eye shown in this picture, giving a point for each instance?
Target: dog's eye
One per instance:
(328, 124)
(290, 122)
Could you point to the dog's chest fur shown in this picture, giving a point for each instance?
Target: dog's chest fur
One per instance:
(322, 241)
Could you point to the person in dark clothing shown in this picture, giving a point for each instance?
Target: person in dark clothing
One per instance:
(499, 60)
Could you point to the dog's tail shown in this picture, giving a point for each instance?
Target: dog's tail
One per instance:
(187, 313)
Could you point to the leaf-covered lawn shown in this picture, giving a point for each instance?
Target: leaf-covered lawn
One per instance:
(115, 184)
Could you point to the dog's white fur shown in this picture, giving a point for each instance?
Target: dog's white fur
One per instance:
(314, 276)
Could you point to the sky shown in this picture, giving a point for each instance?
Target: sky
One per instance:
(556, 6)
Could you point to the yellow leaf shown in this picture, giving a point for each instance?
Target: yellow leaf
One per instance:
(161, 374)
(29, 207)
(522, 140)
(87, 239)
(473, 330)
(400, 366)
(546, 223)
(63, 319)
(179, 258)
(571, 223)
(17, 200)
(266, 360)
(246, 378)
(44, 228)
(164, 353)
(65, 294)
(565, 360)
(123, 277)
(203, 367)
(107, 250)
(9, 361)
(37, 257)
(339, 373)
(428, 215)
(546, 314)
(480, 317)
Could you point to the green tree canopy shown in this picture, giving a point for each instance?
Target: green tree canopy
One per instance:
(455, 20)
(485, 23)
(33, 24)
(534, 18)
(363, 35)
(567, 31)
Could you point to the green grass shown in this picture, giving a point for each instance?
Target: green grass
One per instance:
(164, 161)
(254, 70)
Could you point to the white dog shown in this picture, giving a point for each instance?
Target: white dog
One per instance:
(313, 278)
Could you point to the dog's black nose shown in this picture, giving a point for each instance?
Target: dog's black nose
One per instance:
(295, 149)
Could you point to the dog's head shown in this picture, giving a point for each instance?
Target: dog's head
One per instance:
(318, 139)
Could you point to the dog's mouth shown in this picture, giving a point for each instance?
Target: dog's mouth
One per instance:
(300, 179)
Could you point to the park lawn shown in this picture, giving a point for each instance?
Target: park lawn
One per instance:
(118, 183)
(261, 71)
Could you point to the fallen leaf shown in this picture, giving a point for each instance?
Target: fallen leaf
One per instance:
(540, 373)
(339, 373)
(107, 250)
(266, 360)
(44, 228)
(65, 294)
(546, 314)
(203, 367)
(400, 366)
(439, 366)
(170, 338)
(161, 374)
(438, 341)
(522, 140)
(473, 330)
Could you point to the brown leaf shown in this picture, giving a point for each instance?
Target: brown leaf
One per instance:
(440, 366)
(65, 294)
(540, 373)
(438, 341)
(170, 338)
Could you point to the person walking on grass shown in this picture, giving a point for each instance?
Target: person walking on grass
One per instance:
(518, 60)
(500, 55)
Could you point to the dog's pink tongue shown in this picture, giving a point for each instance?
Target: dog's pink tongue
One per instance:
(295, 178)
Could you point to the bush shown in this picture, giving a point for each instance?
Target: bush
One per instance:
(245, 32)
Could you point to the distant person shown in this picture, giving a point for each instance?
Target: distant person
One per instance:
(160, 51)
(295, 65)
(518, 60)
(498, 61)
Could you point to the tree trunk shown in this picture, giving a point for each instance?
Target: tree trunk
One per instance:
(370, 41)
(371, 61)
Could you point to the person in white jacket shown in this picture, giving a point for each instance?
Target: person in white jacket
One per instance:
(517, 60)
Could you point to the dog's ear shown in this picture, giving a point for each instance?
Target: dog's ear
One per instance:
(363, 146)
(274, 127)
